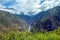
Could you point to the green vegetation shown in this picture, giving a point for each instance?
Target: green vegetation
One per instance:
(17, 35)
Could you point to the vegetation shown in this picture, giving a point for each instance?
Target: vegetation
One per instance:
(23, 35)
(12, 27)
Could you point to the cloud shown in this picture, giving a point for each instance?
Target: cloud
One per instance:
(26, 6)
(4, 9)
(48, 4)
(1, 6)
(6, 4)
(34, 6)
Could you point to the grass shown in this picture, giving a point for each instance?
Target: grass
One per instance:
(17, 35)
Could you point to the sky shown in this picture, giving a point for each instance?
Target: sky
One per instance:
(28, 7)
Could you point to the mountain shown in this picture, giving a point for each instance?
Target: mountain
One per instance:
(26, 18)
(8, 19)
(46, 20)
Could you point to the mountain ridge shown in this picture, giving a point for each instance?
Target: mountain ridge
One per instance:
(8, 19)
(51, 17)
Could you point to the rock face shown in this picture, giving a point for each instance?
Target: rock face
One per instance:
(11, 20)
(48, 20)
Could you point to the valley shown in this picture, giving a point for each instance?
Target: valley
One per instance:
(43, 26)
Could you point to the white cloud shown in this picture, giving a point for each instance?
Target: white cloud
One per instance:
(34, 6)
(48, 4)
(4, 9)
(27, 6)
(1, 6)
(11, 11)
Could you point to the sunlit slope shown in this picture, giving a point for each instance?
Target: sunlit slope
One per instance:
(11, 20)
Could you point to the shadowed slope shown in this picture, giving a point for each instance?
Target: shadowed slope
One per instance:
(48, 20)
